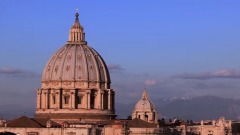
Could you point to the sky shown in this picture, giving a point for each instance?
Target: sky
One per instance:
(173, 48)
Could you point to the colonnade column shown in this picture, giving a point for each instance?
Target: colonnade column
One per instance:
(45, 99)
(88, 99)
(102, 100)
(57, 98)
(109, 99)
(39, 98)
(72, 98)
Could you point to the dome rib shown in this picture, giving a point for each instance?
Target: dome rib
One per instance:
(95, 64)
(62, 67)
(106, 72)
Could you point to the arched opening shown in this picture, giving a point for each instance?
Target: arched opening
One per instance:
(146, 117)
(66, 99)
(53, 99)
(105, 100)
(7, 133)
(92, 101)
(79, 99)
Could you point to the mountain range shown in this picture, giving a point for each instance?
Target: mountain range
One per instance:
(188, 108)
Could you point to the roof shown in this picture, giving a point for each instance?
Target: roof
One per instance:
(138, 123)
(23, 122)
(43, 122)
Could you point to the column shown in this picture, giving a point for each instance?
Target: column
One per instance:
(113, 100)
(109, 99)
(38, 99)
(45, 100)
(87, 99)
(102, 102)
(57, 98)
(72, 99)
(142, 116)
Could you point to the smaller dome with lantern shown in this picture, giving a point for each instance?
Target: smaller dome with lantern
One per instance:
(145, 110)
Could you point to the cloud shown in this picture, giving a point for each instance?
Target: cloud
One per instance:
(17, 72)
(223, 73)
(115, 67)
(150, 82)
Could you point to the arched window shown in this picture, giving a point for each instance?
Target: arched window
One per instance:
(66, 99)
(54, 99)
(79, 99)
(92, 101)
(146, 117)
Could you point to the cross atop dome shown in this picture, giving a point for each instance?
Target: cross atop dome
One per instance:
(77, 15)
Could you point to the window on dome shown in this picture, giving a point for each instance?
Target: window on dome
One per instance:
(146, 117)
(66, 99)
(92, 101)
(54, 99)
(79, 99)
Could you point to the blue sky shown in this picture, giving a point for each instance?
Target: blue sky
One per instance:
(172, 48)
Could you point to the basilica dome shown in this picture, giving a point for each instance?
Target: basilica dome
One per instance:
(76, 64)
(76, 83)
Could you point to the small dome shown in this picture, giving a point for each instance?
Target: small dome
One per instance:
(145, 110)
(144, 104)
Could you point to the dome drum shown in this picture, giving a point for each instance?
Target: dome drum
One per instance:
(73, 85)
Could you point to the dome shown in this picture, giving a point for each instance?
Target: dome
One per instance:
(76, 83)
(145, 110)
(76, 64)
(144, 104)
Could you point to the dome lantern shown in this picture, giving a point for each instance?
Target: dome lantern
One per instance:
(76, 34)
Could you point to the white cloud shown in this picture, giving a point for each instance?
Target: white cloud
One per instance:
(150, 82)
(17, 72)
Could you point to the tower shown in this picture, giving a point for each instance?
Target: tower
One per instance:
(76, 82)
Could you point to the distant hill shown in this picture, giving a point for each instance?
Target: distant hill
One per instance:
(198, 108)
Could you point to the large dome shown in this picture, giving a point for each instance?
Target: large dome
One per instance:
(76, 65)
(76, 83)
